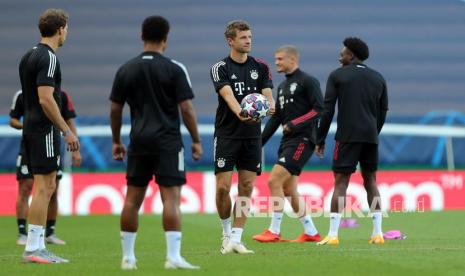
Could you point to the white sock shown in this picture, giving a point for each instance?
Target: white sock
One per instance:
(173, 245)
(42, 239)
(377, 222)
(236, 235)
(128, 240)
(275, 225)
(309, 227)
(33, 237)
(226, 223)
(334, 221)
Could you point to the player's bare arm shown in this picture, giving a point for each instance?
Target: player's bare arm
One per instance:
(52, 111)
(15, 123)
(116, 120)
(228, 95)
(76, 157)
(190, 121)
(268, 93)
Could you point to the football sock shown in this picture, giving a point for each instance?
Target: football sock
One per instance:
(236, 235)
(50, 228)
(275, 225)
(33, 237)
(377, 222)
(22, 226)
(173, 245)
(42, 239)
(128, 240)
(226, 223)
(309, 227)
(334, 221)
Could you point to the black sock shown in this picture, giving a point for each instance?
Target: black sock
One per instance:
(50, 230)
(22, 226)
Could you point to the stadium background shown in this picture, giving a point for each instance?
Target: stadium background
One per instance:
(417, 45)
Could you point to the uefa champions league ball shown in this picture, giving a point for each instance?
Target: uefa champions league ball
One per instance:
(255, 105)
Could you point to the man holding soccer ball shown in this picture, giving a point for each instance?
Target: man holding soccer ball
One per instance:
(299, 106)
(237, 139)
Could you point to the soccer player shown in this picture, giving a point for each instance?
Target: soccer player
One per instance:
(237, 140)
(155, 88)
(23, 170)
(40, 76)
(362, 99)
(299, 105)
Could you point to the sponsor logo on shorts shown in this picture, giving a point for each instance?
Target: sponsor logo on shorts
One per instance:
(282, 159)
(221, 162)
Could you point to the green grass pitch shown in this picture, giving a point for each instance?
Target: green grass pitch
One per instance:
(435, 246)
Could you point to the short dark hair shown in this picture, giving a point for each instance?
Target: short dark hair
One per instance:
(51, 21)
(234, 26)
(357, 47)
(155, 29)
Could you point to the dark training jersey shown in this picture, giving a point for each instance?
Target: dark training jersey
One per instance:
(38, 67)
(66, 108)
(153, 86)
(362, 102)
(244, 78)
(299, 105)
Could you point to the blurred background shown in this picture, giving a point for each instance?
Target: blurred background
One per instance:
(417, 45)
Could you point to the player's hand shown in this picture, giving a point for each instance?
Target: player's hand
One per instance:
(242, 115)
(72, 142)
(76, 158)
(320, 151)
(119, 151)
(272, 109)
(197, 151)
(286, 129)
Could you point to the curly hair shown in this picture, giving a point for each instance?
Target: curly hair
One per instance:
(357, 47)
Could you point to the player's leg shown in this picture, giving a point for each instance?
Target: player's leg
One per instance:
(25, 182)
(345, 159)
(369, 165)
(43, 155)
(278, 176)
(249, 165)
(139, 172)
(22, 208)
(170, 176)
(52, 215)
(300, 208)
(225, 151)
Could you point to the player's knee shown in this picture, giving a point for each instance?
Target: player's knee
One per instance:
(245, 188)
(25, 190)
(223, 189)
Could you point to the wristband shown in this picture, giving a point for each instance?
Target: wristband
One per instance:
(66, 133)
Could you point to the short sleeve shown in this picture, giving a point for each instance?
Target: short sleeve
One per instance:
(47, 69)
(118, 91)
(17, 106)
(219, 75)
(182, 82)
(67, 106)
(267, 78)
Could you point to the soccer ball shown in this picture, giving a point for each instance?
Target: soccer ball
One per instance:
(255, 105)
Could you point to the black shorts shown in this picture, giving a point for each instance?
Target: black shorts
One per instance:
(23, 169)
(347, 155)
(244, 154)
(42, 151)
(294, 153)
(168, 169)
